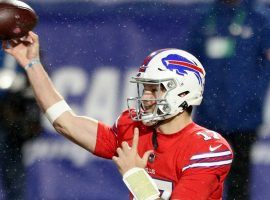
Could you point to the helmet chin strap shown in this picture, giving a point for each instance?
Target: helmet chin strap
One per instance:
(184, 106)
(155, 124)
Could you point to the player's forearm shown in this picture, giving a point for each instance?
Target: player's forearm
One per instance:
(45, 92)
(80, 130)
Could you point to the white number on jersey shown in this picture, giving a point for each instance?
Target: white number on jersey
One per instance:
(165, 188)
(208, 135)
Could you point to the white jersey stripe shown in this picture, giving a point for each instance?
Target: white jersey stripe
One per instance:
(209, 164)
(116, 122)
(210, 155)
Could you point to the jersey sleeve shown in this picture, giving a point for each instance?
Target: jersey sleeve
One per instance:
(205, 169)
(109, 138)
(106, 142)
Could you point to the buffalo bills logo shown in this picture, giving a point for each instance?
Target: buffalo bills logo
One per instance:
(181, 65)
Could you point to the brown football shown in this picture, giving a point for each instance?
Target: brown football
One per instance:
(16, 19)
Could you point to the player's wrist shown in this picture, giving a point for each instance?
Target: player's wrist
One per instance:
(140, 184)
(31, 63)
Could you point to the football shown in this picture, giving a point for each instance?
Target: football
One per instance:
(16, 19)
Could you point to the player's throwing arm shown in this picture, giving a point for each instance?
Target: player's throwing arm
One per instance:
(80, 130)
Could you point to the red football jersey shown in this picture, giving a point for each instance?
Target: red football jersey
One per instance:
(189, 164)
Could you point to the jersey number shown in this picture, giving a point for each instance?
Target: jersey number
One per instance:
(165, 188)
(208, 135)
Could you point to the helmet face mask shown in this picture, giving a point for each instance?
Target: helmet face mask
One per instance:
(179, 79)
(138, 108)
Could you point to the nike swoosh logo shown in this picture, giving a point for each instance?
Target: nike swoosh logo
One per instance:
(214, 148)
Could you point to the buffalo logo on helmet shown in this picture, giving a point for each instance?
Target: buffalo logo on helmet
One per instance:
(181, 65)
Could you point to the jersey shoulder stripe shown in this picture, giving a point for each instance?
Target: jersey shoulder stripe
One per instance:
(210, 159)
(208, 164)
(211, 155)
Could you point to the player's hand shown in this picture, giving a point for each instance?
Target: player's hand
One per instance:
(24, 49)
(128, 157)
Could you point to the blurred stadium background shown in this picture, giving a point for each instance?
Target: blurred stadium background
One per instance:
(90, 49)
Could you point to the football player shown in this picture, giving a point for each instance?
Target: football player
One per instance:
(160, 151)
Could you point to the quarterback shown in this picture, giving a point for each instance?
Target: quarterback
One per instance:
(159, 150)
